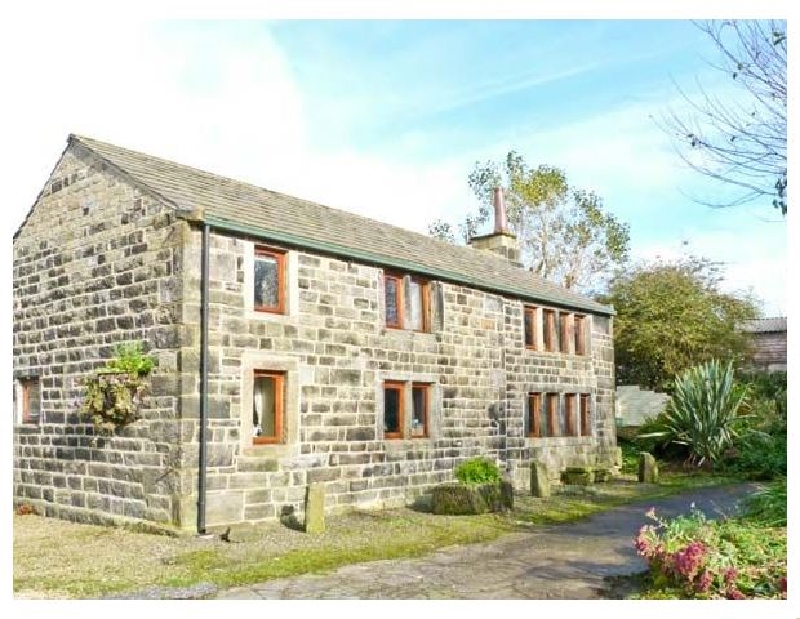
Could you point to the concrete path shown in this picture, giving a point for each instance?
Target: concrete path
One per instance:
(555, 562)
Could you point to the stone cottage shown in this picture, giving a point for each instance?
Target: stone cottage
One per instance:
(313, 345)
(768, 337)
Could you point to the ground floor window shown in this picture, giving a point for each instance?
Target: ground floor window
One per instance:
(586, 414)
(268, 406)
(29, 401)
(395, 414)
(547, 416)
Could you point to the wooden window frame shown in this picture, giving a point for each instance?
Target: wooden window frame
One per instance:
(552, 415)
(400, 387)
(26, 384)
(550, 334)
(531, 311)
(570, 427)
(424, 297)
(399, 287)
(280, 399)
(426, 389)
(586, 414)
(579, 333)
(564, 335)
(280, 263)
(535, 415)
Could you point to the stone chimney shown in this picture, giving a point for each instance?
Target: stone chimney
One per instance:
(501, 241)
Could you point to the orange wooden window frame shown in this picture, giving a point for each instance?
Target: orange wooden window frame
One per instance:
(564, 332)
(426, 395)
(549, 330)
(586, 414)
(535, 415)
(399, 299)
(280, 396)
(529, 333)
(424, 297)
(400, 387)
(552, 414)
(280, 263)
(569, 414)
(26, 384)
(580, 334)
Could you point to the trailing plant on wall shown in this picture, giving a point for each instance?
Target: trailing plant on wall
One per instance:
(114, 393)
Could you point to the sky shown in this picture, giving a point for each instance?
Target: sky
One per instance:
(387, 118)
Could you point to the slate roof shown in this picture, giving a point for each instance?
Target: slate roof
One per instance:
(766, 325)
(270, 215)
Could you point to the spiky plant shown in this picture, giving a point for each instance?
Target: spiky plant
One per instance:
(706, 412)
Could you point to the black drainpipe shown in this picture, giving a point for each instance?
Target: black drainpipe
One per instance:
(201, 482)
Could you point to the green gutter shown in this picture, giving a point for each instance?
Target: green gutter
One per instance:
(349, 253)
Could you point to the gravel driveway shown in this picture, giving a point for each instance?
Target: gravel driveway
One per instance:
(557, 562)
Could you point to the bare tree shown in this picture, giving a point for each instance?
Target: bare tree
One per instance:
(742, 141)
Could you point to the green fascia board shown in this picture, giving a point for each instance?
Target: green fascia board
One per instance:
(341, 251)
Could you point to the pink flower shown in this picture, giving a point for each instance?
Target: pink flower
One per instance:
(734, 594)
(729, 576)
(704, 582)
(782, 584)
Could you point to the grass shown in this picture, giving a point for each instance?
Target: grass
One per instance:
(90, 561)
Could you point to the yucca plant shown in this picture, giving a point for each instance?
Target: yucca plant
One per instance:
(706, 412)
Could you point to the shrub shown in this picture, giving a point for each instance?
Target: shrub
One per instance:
(768, 506)
(691, 557)
(478, 471)
(704, 413)
(113, 393)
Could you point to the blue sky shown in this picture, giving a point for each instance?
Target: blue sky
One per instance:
(386, 118)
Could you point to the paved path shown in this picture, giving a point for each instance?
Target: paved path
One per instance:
(555, 562)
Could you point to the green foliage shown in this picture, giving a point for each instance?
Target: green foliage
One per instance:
(691, 557)
(705, 411)
(671, 316)
(478, 471)
(564, 233)
(112, 394)
(768, 506)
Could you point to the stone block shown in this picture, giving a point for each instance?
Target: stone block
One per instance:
(578, 476)
(540, 484)
(315, 508)
(602, 475)
(648, 469)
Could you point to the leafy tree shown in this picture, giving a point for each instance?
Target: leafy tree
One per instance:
(741, 141)
(672, 316)
(564, 234)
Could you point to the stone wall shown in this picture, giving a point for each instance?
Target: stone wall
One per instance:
(94, 266)
(336, 354)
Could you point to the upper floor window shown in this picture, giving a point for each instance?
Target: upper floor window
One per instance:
(530, 325)
(564, 332)
(268, 281)
(549, 330)
(579, 328)
(268, 405)
(407, 302)
(29, 402)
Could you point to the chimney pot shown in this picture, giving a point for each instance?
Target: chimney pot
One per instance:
(500, 222)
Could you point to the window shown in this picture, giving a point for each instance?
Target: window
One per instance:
(549, 330)
(534, 417)
(420, 397)
(564, 332)
(580, 335)
(29, 405)
(396, 289)
(268, 403)
(586, 414)
(552, 428)
(570, 429)
(393, 409)
(268, 281)
(530, 327)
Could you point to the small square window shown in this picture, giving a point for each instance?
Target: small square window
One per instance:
(393, 409)
(268, 281)
(420, 395)
(30, 400)
(268, 403)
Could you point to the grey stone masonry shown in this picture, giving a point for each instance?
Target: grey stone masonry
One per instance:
(101, 260)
